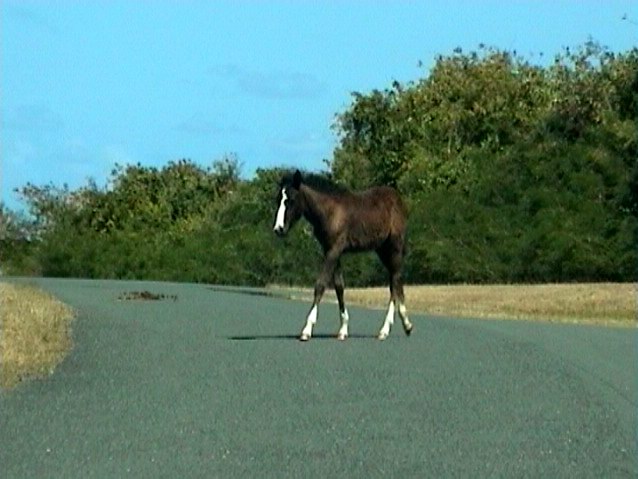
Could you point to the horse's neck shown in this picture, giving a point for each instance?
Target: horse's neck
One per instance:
(315, 205)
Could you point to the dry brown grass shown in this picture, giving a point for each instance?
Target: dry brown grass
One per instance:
(35, 333)
(599, 303)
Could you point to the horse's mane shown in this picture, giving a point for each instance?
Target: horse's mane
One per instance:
(318, 181)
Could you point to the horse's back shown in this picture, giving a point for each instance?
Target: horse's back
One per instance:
(386, 198)
(380, 210)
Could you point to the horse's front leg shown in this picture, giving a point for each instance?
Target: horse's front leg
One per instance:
(327, 272)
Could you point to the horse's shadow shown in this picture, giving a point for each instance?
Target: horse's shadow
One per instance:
(295, 337)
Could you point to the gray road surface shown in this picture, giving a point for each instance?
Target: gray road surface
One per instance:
(215, 384)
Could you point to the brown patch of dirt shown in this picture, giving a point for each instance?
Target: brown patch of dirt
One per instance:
(145, 296)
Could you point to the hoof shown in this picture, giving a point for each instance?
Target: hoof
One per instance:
(342, 337)
(382, 336)
(304, 337)
(408, 330)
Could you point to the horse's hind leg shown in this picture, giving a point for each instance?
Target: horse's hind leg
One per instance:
(397, 302)
(343, 312)
(400, 300)
(392, 258)
(386, 256)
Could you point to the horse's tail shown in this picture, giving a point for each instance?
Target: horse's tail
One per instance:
(403, 208)
(406, 247)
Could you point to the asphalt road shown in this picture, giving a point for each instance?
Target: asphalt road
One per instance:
(215, 384)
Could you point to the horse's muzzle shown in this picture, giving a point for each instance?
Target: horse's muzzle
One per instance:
(279, 231)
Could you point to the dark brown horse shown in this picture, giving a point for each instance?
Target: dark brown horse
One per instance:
(372, 220)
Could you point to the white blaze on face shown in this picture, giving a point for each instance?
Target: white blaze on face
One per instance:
(281, 212)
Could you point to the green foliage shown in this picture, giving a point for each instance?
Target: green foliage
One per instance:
(512, 172)
(536, 212)
(415, 135)
(18, 243)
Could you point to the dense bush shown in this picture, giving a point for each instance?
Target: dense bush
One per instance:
(512, 172)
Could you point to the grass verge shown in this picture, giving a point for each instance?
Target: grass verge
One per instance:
(35, 333)
(595, 303)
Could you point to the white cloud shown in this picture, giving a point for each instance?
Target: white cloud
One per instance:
(35, 118)
(272, 85)
(115, 154)
(30, 18)
(301, 143)
(19, 153)
(200, 126)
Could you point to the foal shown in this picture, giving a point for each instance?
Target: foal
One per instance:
(373, 220)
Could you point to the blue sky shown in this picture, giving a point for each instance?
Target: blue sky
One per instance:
(88, 84)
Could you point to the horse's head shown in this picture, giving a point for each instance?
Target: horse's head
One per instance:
(289, 203)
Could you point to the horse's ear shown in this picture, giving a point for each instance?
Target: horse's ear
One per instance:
(296, 180)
